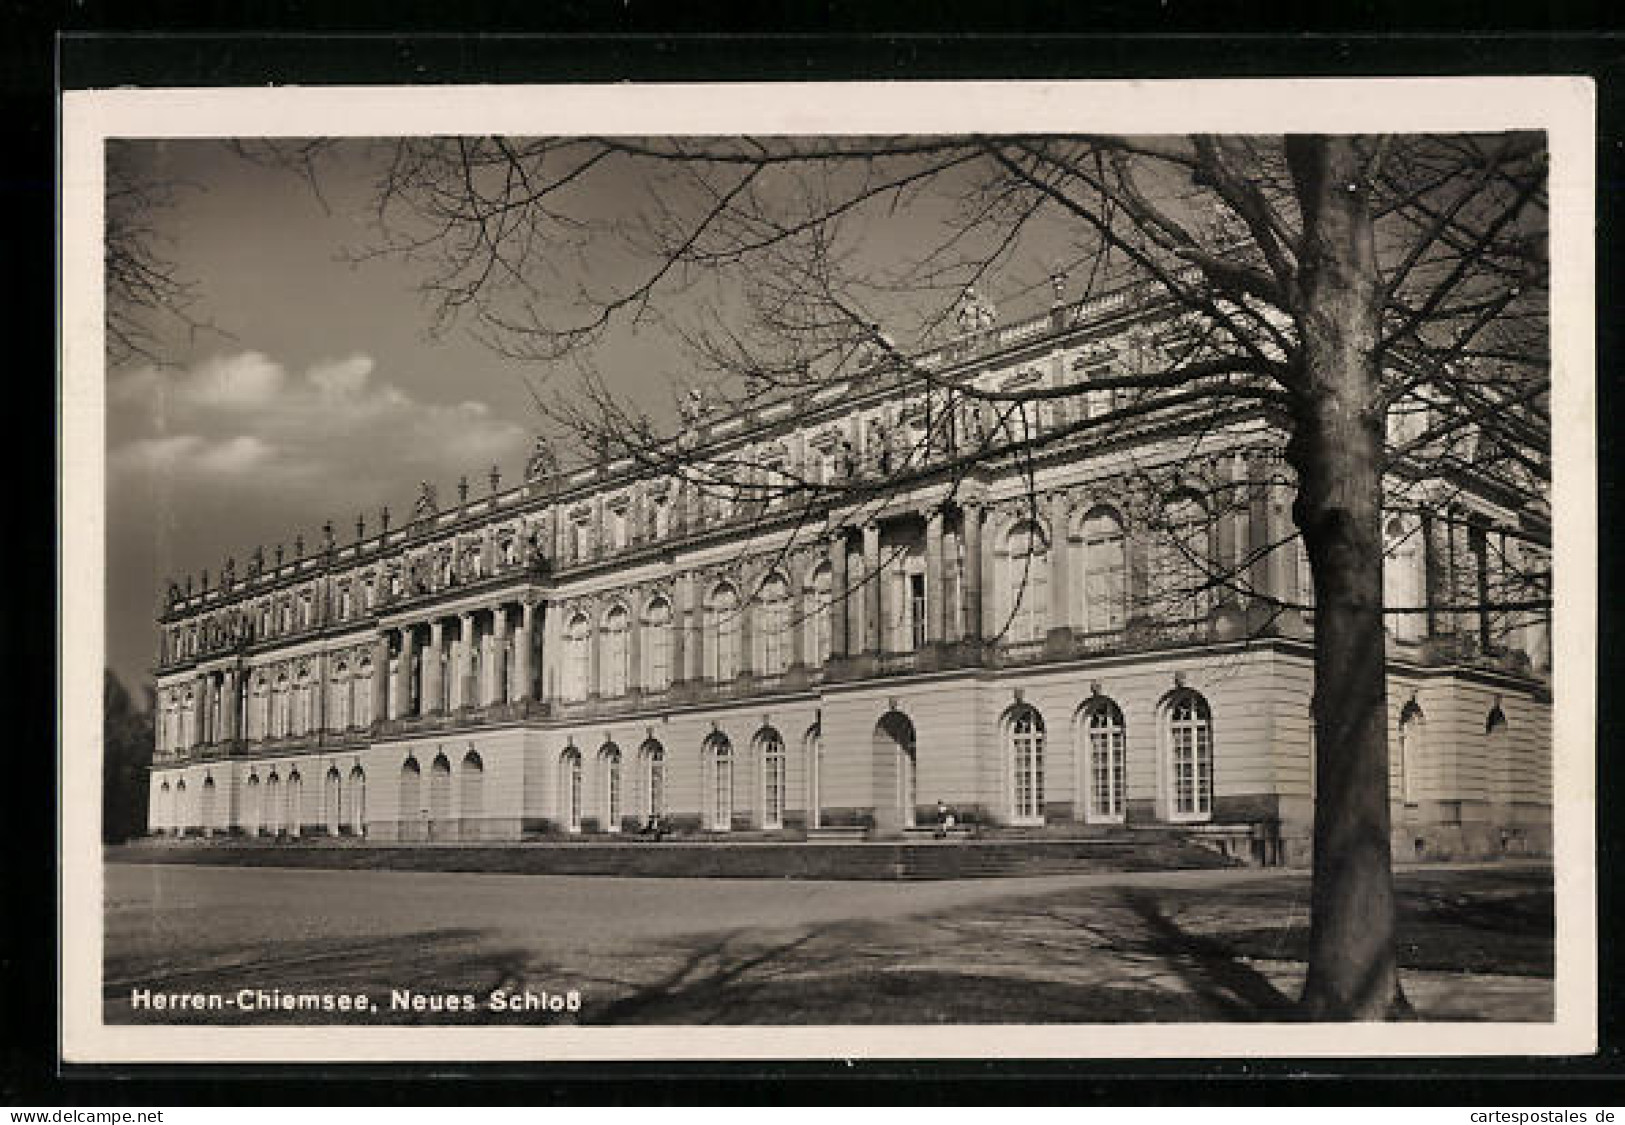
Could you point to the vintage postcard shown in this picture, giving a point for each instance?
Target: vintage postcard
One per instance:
(930, 570)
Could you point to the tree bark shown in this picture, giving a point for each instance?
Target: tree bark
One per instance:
(1336, 449)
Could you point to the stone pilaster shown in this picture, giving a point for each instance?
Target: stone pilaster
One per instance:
(1060, 563)
(936, 586)
(403, 676)
(499, 655)
(972, 607)
(840, 598)
(434, 691)
(872, 633)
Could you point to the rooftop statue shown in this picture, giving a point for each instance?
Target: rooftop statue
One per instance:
(542, 462)
(427, 504)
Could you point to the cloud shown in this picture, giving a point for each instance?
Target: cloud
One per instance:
(331, 435)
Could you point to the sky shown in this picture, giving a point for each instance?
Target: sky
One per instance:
(320, 397)
(317, 392)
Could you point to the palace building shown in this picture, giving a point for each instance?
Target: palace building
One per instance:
(869, 602)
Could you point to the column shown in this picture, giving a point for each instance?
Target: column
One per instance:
(679, 631)
(1060, 563)
(203, 690)
(972, 531)
(521, 652)
(1259, 538)
(499, 655)
(403, 676)
(634, 648)
(696, 632)
(595, 643)
(871, 633)
(936, 587)
(228, 705)
(380, 677)
(465, 660)
(434, 692)
(748, 589)
(840, 599)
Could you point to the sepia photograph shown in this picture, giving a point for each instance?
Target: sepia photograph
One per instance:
(956, 569)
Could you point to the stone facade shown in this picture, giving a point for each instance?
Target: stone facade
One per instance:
(1111, 632)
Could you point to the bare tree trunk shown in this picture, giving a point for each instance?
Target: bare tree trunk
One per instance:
(1337, 451)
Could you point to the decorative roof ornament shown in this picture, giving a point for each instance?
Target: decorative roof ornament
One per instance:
(299, 545)
(427, 503)
(360, 526)
(975, 314)
(1057, 285)
(279, 553)
(496, 478)
(462, 489)
(542, 461)
(328, 541)
(383, 517)
(228, 573)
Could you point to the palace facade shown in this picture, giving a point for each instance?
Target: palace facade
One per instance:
(868, 603)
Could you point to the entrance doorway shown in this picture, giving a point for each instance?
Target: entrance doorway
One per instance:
(895, 786)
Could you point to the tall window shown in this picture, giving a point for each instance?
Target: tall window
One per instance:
(570, 789)
(363, 694)
(1404, 576)
(819, 615)
(610, 762)
(1411, 726)
(280, 708)
(772, 627)
(722, 654)
(1179, 567)
(577, 657)
(1026, 584)
(340, 700)
(773, 778)
(719, 783)
(616, 654)
(615, 527)
(660, 516)
(1190, 741)
(654, 779)
(1106, 765)
(916, 609)
(1027, 765)
(657, 646)
(259, 711)
(1104, 567)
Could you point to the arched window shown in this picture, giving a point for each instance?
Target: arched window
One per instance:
(409, 809)
(1190, 749)
(653, 760)
(813, 743)
(615, 671)
(363, 693)
(1102, 582)
(1412, 727)
(339, 701)
(1027, 766)
(346, 606)
(719, 783)
(774, 784)
(1498, 757)
(274, 811)
(163, 816)
(253, 812)
(333, 800)
(301, 703)
(295, 791)
(570, 789)
(1404, 576)
(183, 814)
(609, 789)
(1179, 563)
(656, 645)
(1106, 763)
(206, 811)
(771, 633)
(471, 796)
(1025, 584)
(439, 793)
(577, 657)
(660, 516)
(355, 801)
(722, 630)
(818, 615)
(280, 704)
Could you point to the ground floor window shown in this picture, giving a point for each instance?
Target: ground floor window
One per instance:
(773, 779)
(720, 787)
(1190, 736)
(1027, 763)
(570, 769)
(1106, 765)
